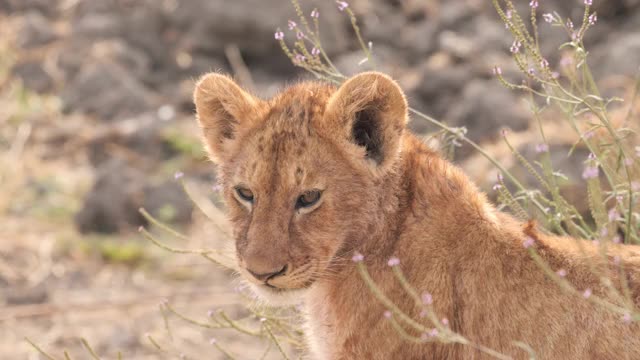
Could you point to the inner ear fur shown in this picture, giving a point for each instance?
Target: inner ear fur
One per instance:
(222, 107)
(370, 111)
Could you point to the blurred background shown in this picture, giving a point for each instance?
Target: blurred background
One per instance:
(96, 117)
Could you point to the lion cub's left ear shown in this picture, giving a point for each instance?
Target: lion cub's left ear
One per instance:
(223, 108)
(369, 111)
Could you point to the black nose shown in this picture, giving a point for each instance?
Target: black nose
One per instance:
(270, 275)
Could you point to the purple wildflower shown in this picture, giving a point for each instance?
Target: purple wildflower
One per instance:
(544, 63)
(593, 18)
(315, 51)
(566, 61)
(300, 58)
(533, 4)
(387, 314)
(575, 36)
(590, 172)
(587, 293)
(357, 257)
(178, 175)
(515, 47)
(497, 70)
(342, 5)
(626, 318)
(541, 148)
(299, 35)
(213, 341)
(614, 215)
(291, 24)
(315, 14)
(616, 260)
(588, 2)
(569, 24)
(497, 187)
(548, 17)
(393, 261)
(528, 242)
(427, 299)
(279, 35)
(508, 14)
(562, 272)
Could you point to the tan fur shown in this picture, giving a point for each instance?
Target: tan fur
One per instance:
(399, 199)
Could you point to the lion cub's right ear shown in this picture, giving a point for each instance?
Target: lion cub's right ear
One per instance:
(222, 107)
(369, 111)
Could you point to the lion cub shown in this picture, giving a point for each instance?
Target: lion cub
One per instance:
(317, 173)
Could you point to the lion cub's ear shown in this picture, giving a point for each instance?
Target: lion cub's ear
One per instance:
(221, 106)
(370, 111)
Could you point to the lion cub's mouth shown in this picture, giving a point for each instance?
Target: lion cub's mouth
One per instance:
(280, 292)
(277, 296)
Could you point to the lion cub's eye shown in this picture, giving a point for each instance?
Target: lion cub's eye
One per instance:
(244, 194)
(308, 199)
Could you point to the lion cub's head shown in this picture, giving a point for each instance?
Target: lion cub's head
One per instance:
(302, 173)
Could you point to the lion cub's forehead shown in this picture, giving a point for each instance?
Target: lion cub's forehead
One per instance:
(296, 107)
(284, 150)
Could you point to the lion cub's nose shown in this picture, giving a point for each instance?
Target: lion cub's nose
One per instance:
(264, 276)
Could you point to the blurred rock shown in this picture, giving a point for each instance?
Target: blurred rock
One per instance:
(27, 295)
(484, 108)
(107, 90)
(46, 7)
(113, 202)
(453, 13)
(621, 57)
(613, 8)
(440, 87)
(120, 190)
(168, 201)
(418, 39)
(98, 25)
(36, 30)
(33, 76)
(138, 139)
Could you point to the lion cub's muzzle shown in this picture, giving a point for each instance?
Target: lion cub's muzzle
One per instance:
(265, 277)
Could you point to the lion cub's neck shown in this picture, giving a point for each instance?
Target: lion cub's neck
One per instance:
(428, 192)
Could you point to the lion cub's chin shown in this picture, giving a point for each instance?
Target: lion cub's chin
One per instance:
(279, 297)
